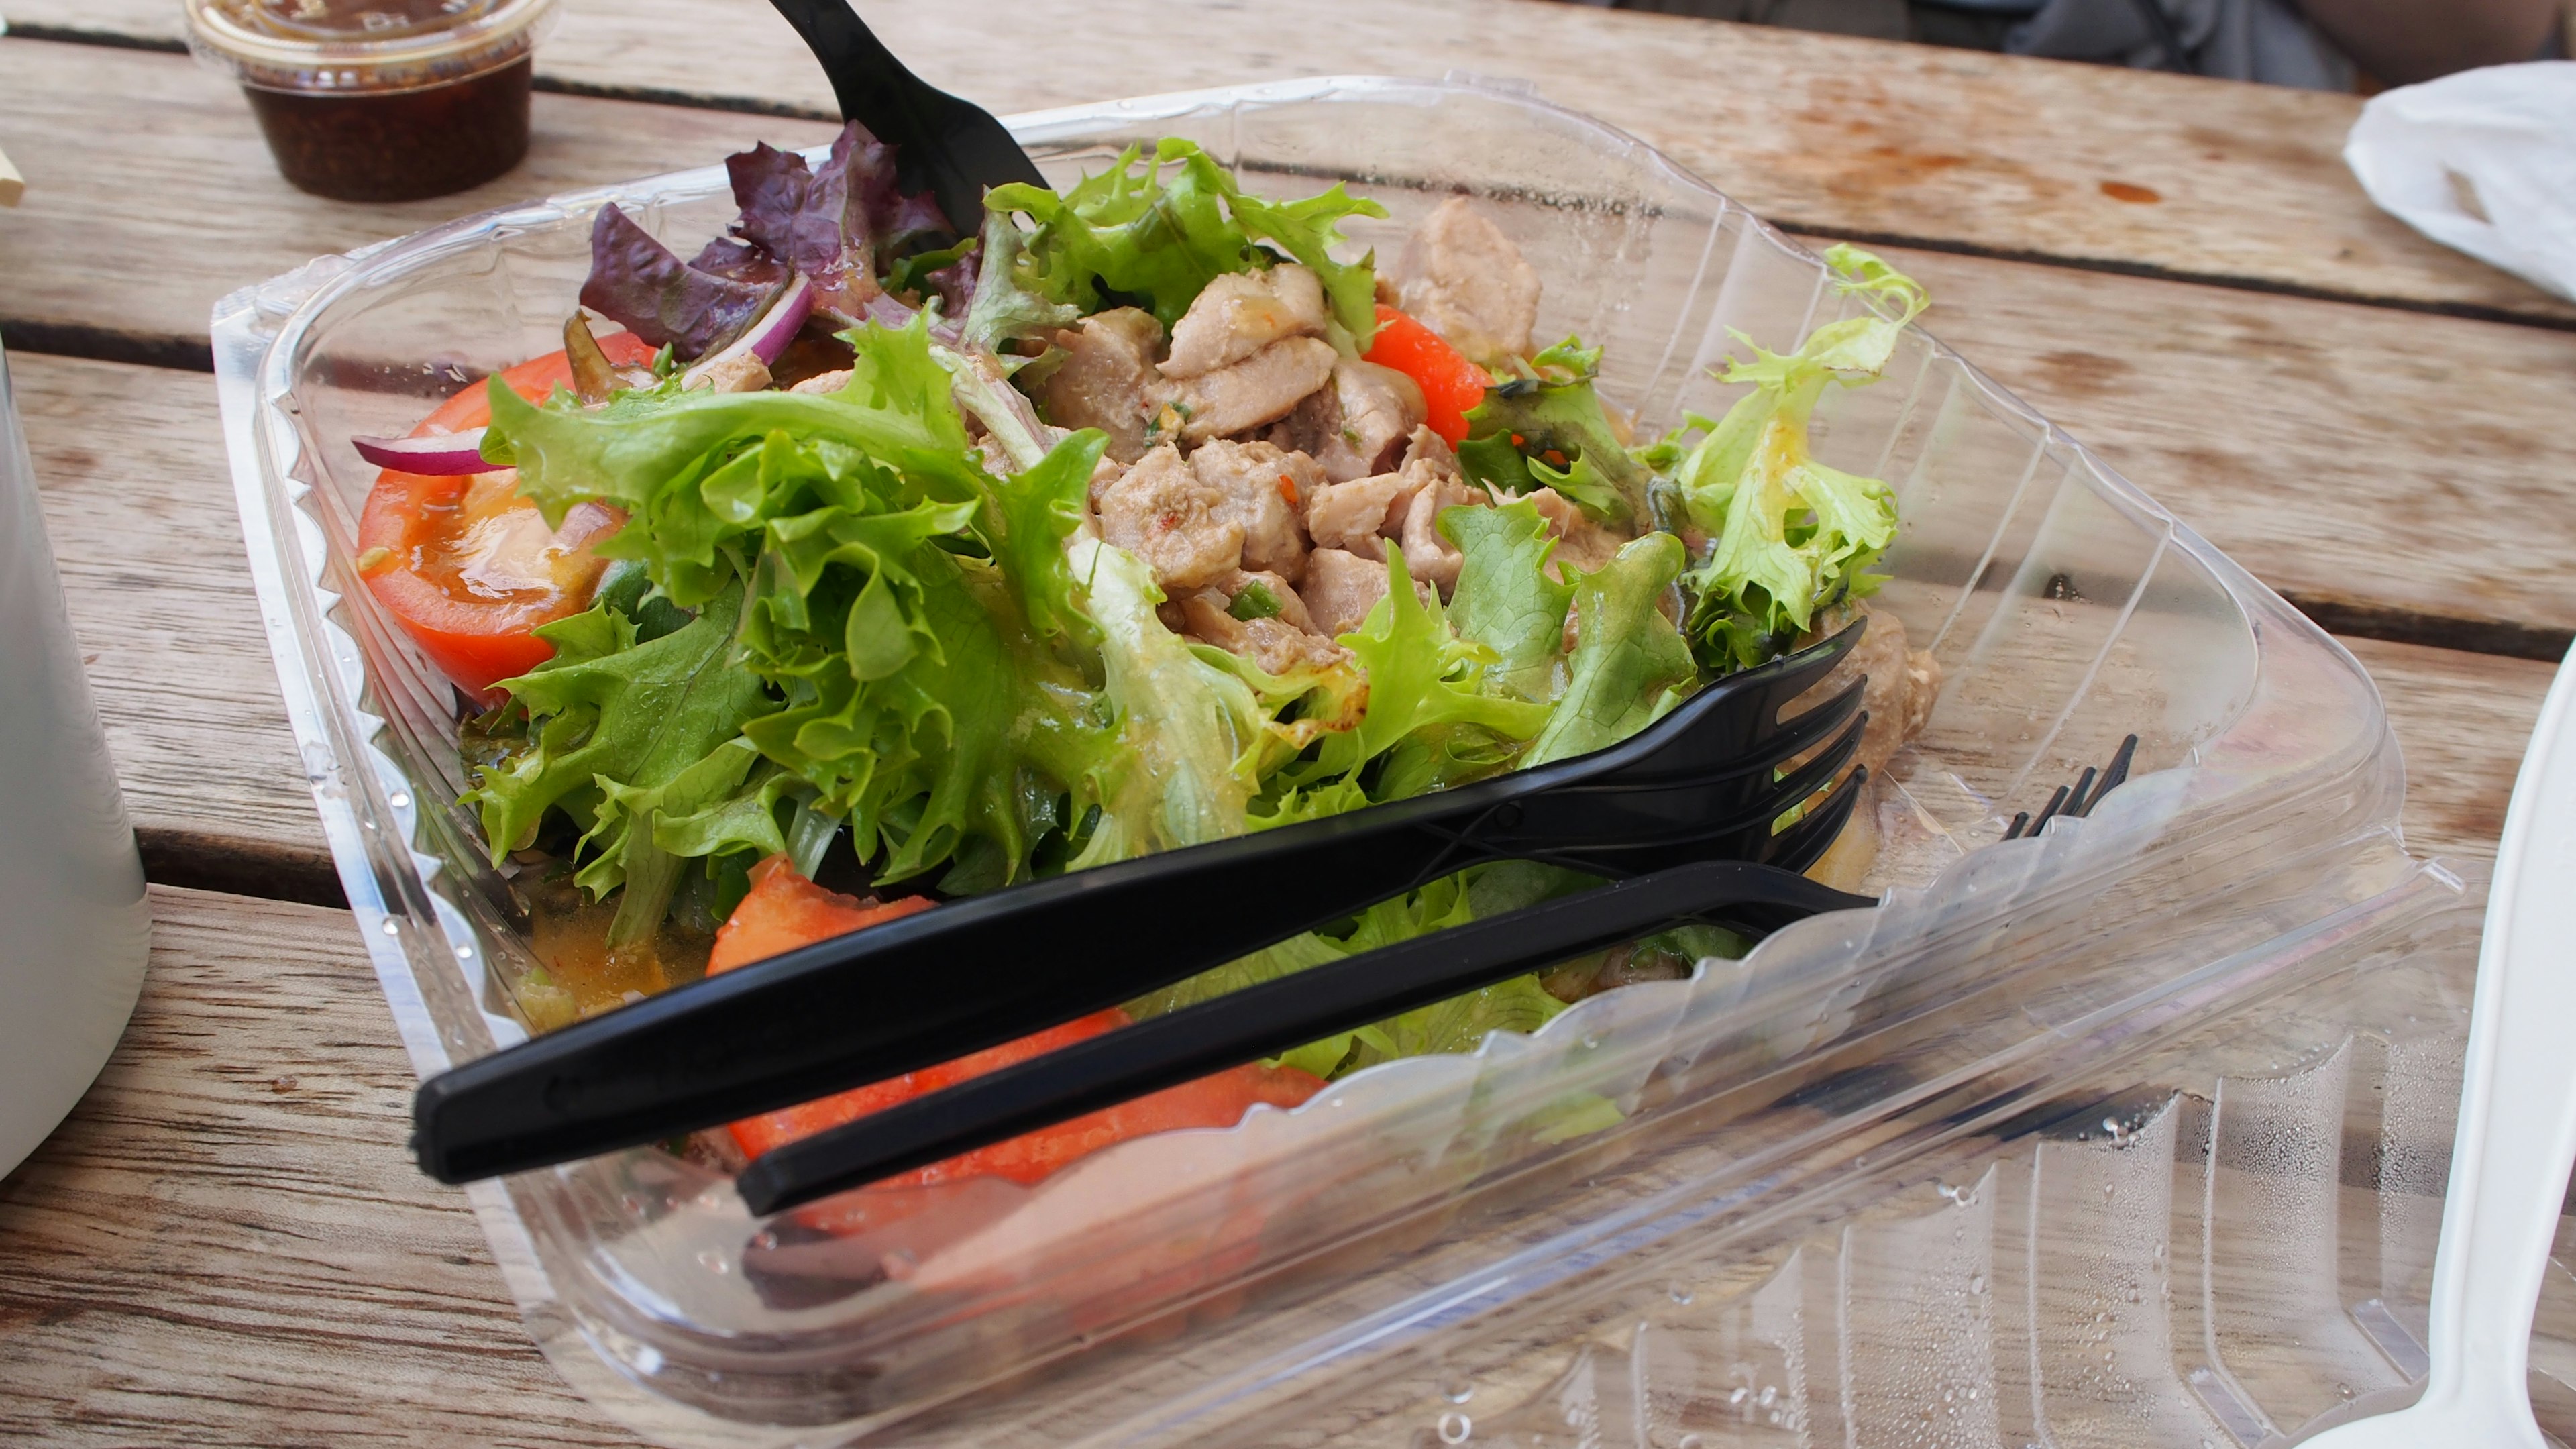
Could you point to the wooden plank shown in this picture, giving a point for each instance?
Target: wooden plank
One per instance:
(2463, 721)
(2084, 164)
(225, 1245)
(139, 503)
(168, 199)
(2368, 463)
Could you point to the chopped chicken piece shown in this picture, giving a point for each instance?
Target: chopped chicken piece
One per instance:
(1903, 683)
(824, 382)
(1358, 426)
(1353, 516)
(1262, 487)
(1162, 512)
(1292, 607)
(1462, 278)
(1194, 520)
(742, 372)
(1582, 543)
(1108, 380)
(1428, 555)
(1241, 313)
(1260, 389)
(1432, 451)
(1341, 588)
(1279, 644)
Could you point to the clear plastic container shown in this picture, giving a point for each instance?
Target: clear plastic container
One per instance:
(1423, 1254)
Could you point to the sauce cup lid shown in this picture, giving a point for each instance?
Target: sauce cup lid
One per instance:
(362, 45)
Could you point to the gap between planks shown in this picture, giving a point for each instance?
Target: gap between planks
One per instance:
(1915, 145)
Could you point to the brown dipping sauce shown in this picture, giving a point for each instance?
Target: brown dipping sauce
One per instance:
(380, 100)
(402, 145)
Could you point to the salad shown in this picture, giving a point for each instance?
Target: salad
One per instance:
(853, 565)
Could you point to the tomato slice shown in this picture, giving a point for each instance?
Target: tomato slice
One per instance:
(1451, 385)
(467, 566)
(785, 910)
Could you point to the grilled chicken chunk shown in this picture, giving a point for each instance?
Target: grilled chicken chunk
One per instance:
(1352, 516)
(1260, 389)
(1357, 426)
(1109, 380)
(1195, 520)
(1462, 278)
(1262, 487)
(1161, 512)
(1341, 588)
(1241, 313)
(1279, 644)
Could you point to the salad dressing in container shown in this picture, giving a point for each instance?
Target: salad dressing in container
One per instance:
(380, 100)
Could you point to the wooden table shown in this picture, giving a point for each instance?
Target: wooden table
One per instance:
(226, 1244)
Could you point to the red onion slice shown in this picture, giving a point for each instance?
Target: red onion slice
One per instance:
(438, 455)
(767, 338)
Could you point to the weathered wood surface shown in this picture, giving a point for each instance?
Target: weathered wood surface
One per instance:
(138, 501)
(2097, 167)
(2350, 456)
(225, 1244)
(162, 199)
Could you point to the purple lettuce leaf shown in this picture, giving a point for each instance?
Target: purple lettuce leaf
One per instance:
(639, 282)
(837, 223)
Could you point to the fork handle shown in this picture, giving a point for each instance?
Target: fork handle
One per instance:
(1273, 1017)
(927, 988)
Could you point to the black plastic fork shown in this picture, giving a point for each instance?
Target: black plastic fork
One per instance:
(1709, 781)
(946, 145)
(2079, 799)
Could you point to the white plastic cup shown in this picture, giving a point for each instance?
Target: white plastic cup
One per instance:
(75, 929)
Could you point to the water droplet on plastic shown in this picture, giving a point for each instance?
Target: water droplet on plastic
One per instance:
(1454, 1428)
(1770, 1395)
(1689, 1441)
(1458, 1391)
(1977, 1284)
(1680, 1293)
(1592, 1041)
(714, 1262)
(393, 928)
(1740, 1395)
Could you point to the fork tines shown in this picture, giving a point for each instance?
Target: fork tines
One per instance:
(2082, 797)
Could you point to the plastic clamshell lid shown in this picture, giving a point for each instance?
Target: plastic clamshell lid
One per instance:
(1169, 1289)
(362, 45)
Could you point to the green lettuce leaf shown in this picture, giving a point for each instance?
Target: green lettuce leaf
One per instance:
(900, 606)
(1788, 534)
(1006, 307)
(1159, 231)
(1630, 664)
(1548, 430)
(1421, 676)
(614, 727)
(1189, 731)
(1506, 600)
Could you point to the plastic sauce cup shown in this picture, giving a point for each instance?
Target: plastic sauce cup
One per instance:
(380, 100)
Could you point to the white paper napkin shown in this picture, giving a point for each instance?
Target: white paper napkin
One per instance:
(2484, 161)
